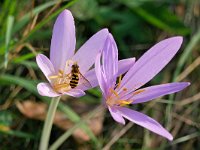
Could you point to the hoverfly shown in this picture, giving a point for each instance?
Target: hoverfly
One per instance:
(64, 82)
(76, 77)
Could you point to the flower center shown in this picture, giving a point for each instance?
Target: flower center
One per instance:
(61, 81)
(117, 98)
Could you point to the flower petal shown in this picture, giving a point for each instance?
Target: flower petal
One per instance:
(100, 76)
(116, 115)
(91, 77)
(45, 65)
(75, 93)
(152, 92)
(123, 66)
(63, 40)
(110, 61)
(151, 63)
(86, 55)
(145, 121)
(45, 89)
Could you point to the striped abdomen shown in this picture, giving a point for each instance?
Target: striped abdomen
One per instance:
(74, 81)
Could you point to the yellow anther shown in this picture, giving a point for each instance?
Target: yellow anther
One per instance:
(53, 77)
(124, 102)
(138, 91)
(125, 89)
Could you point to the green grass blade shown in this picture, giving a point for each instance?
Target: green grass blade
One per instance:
(185, 55)
(74, 117)
(23, 58)
(68, 133)
(25, 19)
(31, 86)
(193, 42)
(25, 83)
(186, 138)
(28, 64)
(18, 134)
(8, 36)
(7, 8)
(164, 20)
(95, 92)
(45, 21)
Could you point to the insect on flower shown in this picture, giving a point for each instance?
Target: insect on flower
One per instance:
(70, 80)
(75, 76)
(69, 72)
(117, 96)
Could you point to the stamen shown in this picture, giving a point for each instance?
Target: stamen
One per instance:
(125, 89)
(54, 77)
(120, 102)
(138, 92)
(61, 87)
(61, 81)
(124, 102)
(114, 92)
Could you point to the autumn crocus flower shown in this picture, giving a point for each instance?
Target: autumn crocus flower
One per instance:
(117, 96)
(62, 57)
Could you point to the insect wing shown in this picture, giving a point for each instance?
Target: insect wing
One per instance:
(84, 81)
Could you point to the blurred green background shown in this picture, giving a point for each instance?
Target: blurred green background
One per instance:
(25, 31)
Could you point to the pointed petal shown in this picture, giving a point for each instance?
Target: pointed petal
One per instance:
(116, 115)
(86, 55)
(145, 121)
(45, 89)
(63, 40)
(75, 93)
(110, 61)
(152, 92)
(151, 63)
(123, 66)
(45, 65)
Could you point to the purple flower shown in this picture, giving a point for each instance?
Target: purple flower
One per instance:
(58, 69)
(127, 91)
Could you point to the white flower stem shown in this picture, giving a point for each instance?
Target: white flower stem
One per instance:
(44, 141)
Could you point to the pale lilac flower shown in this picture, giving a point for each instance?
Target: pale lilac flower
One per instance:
(127, 91)
(62, 58)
